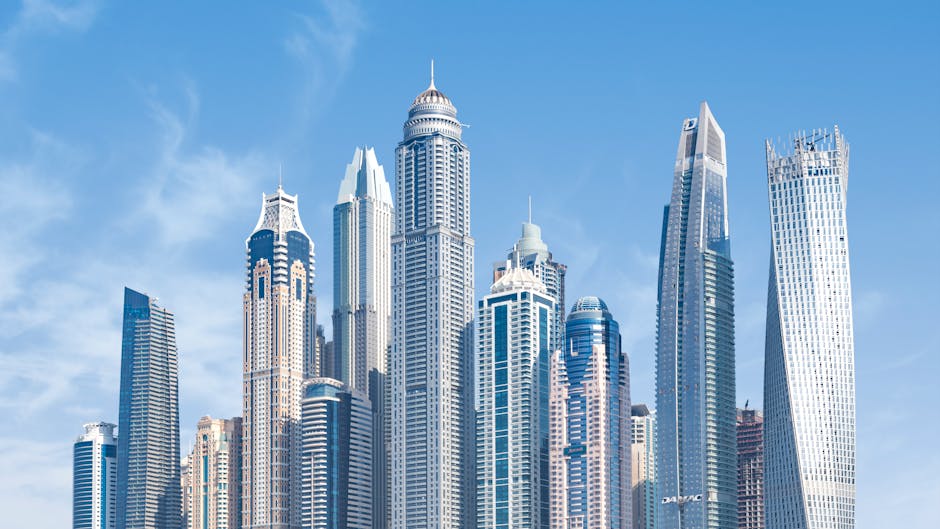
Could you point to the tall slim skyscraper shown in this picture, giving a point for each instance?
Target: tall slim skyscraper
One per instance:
(643, 451)
(531, 253)
(590, 423)
(148, 473)
(187, 490)
(94, 478)
(337, 456)
(362, 289)
(215, 467)
(750, 469)
(280, 352)
(514, 336)
(695, 386)
(809, 364)
(433, 440)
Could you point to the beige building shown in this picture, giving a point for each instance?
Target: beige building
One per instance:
(214, 490)
(643, 452)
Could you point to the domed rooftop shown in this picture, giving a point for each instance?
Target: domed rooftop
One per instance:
(589, 303)
(432, 95)
(517, 278)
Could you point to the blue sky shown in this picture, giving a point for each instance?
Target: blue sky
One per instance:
(135, 143)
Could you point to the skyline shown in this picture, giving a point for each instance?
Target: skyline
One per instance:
(187, 147)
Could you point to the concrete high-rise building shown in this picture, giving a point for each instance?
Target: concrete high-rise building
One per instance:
(750, 469)
(431, 371)
(695, 385)
(531, 253)
(809, 364)
(148, 453)
(337, 456)
(215, 466)
(186, 489)
(362, 289)
(280, 352)
(515, 331)
(94, 478)
(590, 424)
(643, 460)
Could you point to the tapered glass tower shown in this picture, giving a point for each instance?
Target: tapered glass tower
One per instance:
(514, 335)
(589, 445)
(695, 387)
(809, 363)
(279, 353)
(148, 448)
(362, 289)
(431, 372)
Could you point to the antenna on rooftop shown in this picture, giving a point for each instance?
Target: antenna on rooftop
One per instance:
(530, 209)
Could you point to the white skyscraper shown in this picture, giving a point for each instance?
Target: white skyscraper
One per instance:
(362, 290)
(809, 365)
(94, 489)
(431, 372)
(279, 353)
(514, 335)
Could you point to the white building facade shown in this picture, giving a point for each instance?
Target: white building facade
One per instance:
(214, 475)
(514, 334)
(431, 371)
(809, 365)
(94, 478)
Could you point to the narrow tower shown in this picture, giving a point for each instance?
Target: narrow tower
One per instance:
(590, 423)
(279, 341)
(215, 475)
(695, 407)
(809, 363)
(431, 372)
(94, 478)
(148, 493)
(362, 289)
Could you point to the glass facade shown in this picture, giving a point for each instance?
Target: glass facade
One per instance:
(94, 478)
(590, 424)
(148, 454)
(695, 375)
(809, 363)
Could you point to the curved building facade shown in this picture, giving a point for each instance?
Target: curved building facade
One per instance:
(590, 424)
(279, 353)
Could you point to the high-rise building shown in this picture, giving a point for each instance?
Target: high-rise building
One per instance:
(809, 364)
(750, 469)
(215, 467)
(148, 472)
(431, 371)
(695, 385)
(514, 336)
(643, 452)
(337, 456)
(94, 478)
(325, 366)
(531, 252)
(280, 352)
(590, 423)
(362, 289)
(186, 489)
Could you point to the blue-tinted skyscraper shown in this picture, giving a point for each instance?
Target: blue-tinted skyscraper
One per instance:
(148, 492)
(696, 465)
(94, 478)
(590, 424)
(514, 336)
(336, 464)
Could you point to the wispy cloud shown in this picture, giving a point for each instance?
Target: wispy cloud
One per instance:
(42, 17)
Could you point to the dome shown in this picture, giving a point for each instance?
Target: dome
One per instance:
(431, 96)
(516, 279)
(589, 303)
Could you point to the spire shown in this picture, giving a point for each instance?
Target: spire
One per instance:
(432, 87)
(530, 209)
(280, 176)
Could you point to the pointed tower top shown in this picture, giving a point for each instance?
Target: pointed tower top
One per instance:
(530, 209)
(431, 86)
(280, 176)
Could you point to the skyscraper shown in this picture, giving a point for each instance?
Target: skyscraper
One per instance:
(695, 386)
(187, 490)
(531, 253)
(362, 268)
(431, 372)
(514, 336)
(590, 423)
(750, 469)
(215, 467)
(280, 352)
(337, 456)
(643, 460)
(809, 364)
(148, 472)
(94, 478)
